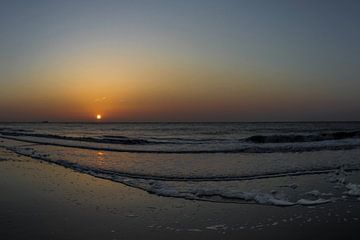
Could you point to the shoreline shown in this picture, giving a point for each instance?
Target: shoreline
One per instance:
(43, 200)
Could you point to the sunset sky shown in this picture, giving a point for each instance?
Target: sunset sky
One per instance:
(185, 60)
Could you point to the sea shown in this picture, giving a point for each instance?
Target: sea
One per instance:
(280, 163)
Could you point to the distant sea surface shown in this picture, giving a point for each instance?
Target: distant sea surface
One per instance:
(234, 162)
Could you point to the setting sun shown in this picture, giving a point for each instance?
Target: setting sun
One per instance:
(98, 116)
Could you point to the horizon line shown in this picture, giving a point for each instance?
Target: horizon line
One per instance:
(125, 122)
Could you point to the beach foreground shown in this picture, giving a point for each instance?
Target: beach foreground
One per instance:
(45, 201)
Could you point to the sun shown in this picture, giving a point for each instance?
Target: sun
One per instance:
(98, 116)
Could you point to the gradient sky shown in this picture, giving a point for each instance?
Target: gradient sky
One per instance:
(179, 60)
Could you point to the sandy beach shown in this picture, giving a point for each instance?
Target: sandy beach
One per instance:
(45, 201)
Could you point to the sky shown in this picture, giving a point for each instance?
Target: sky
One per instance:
(189, 60)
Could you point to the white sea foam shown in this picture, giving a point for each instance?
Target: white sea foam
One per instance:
(163, 189)
(353, 189)
(307, 202)
(317, 193)
(217, 227)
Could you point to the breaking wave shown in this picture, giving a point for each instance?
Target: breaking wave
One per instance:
(290, 138)
(108, 145)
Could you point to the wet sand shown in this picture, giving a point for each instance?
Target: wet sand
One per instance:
(46, 201)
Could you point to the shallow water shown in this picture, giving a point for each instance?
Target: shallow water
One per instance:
(264, 163)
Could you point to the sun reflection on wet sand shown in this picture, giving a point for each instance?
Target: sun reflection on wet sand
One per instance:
(100, 158)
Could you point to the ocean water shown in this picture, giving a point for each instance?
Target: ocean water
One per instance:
(283, 164)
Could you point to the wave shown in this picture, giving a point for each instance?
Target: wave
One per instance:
(162, 186)
(245, 149)
(291, 138)
(30, 152)
(7, 129)
(105, 139)
(255, 139)
(332, 141)
(110, 139)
